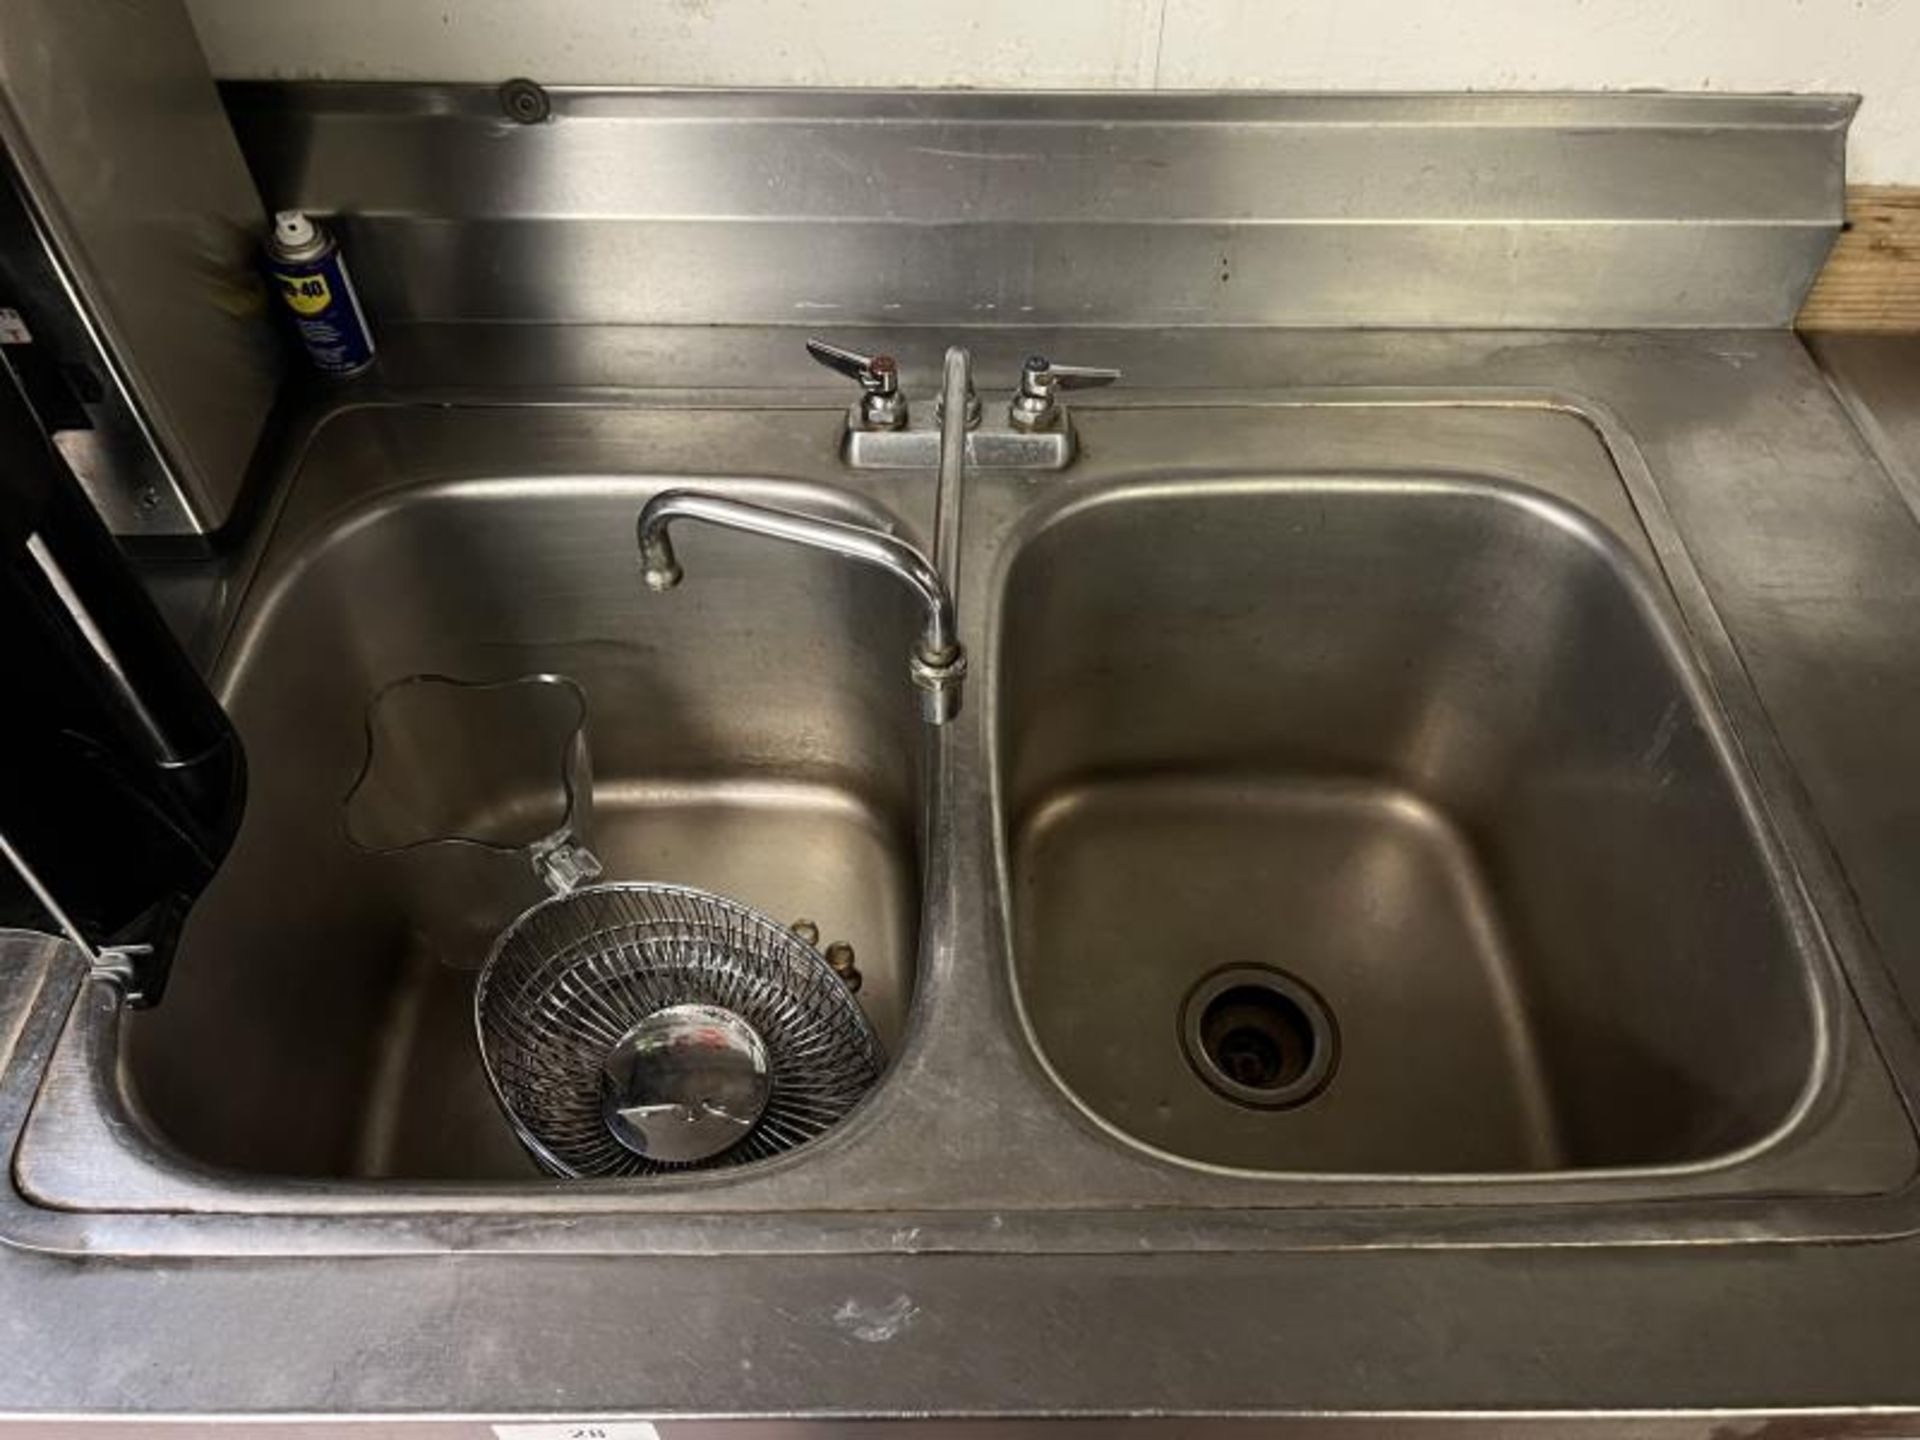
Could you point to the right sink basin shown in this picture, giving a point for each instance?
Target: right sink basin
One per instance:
(1384, 827)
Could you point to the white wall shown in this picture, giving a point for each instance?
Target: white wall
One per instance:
(1869, 46)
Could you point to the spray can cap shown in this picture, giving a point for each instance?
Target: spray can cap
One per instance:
(293, 229)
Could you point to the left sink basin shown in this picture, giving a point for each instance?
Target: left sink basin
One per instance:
(749, 736)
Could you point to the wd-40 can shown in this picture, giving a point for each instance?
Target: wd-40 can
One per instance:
(311, 275)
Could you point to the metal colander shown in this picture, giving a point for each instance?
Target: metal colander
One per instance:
(633, 1029)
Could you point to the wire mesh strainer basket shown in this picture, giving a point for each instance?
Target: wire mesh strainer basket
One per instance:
(634, 1029)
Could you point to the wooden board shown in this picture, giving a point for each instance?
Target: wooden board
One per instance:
(1872, 278)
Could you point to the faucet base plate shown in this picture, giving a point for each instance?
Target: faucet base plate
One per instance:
(918, 448)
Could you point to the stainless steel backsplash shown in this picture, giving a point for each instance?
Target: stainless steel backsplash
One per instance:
(828, 208)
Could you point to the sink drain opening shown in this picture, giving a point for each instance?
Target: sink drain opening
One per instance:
(1260, 1037)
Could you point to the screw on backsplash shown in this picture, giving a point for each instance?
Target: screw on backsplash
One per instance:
(840, 957)
(525, 101)
(148, 499)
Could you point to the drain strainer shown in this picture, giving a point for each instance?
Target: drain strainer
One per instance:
(1260, 1037)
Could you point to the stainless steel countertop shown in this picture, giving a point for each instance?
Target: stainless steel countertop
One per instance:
(1877, 378)
(1811, 557)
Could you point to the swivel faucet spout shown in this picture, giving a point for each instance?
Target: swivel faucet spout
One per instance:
(937, 665)
(959, 413)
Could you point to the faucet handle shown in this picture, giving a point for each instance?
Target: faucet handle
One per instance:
(1036, 403)
(881, 405)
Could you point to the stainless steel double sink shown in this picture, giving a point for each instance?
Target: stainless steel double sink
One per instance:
(1344, 820)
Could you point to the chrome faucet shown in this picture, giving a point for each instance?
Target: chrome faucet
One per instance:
(937, 665)
(1036, 434)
